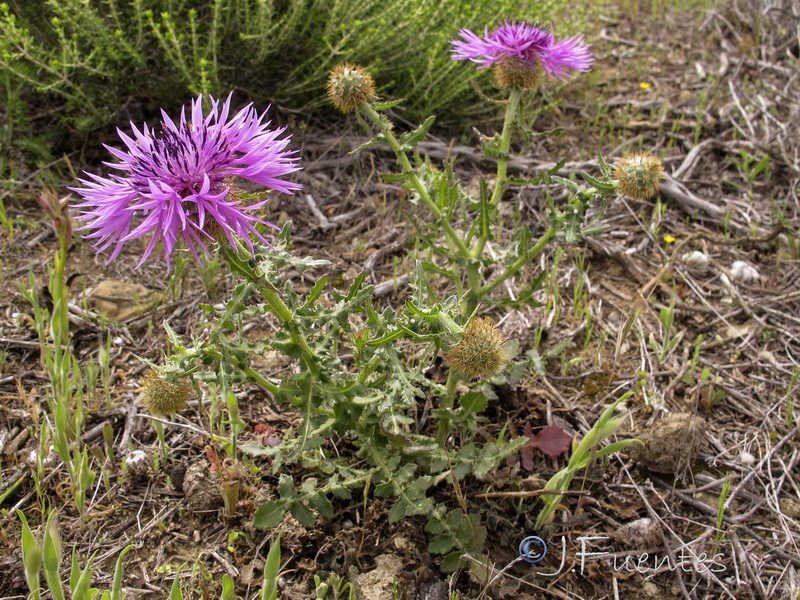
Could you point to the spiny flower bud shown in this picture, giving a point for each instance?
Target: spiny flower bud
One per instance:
(161, 397)
(639, 175)
(349, 86)
(513, 72)
(481, 351)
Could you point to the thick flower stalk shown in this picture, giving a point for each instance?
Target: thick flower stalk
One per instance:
(520, 53)
(180, 179)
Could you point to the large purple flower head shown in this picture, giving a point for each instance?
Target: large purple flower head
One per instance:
(521, 51)
(180, 180)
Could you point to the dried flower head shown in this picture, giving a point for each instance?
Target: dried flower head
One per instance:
(481, 351)
(521, 52)
(179, 179)
(639, 175)
(161, 397)
(349, 86)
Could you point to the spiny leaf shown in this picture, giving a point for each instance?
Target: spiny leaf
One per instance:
(600, 186)
(412, 138)
(388, 104)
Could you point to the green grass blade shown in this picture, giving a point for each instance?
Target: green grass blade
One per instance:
(269, 591)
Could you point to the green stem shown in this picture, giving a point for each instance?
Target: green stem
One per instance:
(452, 378)
(261, 381)
(275, 302)
(447, 403)
(450, 390)
(474, 279)
(451, 234)
(517, 264)
(162, 443)
(502, 162)
(285, 314)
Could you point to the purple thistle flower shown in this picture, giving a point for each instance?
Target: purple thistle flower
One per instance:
(529, 45)
(180, 180)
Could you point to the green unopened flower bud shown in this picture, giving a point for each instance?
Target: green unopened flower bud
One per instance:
(161, 397)
(350, 86)
(481, 352)
(639, 175)
(514, 72)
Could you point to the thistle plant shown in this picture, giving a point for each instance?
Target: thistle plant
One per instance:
(521, 55)
(181, 180)
(361, 369)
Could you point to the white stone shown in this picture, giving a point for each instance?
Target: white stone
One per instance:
(747, 459)
(744, 272)
(695, 259)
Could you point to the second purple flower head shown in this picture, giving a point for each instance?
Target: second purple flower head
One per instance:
(521, 51)
(180, 180)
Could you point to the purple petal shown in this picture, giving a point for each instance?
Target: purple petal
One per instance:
(527, 43)
(174, 182)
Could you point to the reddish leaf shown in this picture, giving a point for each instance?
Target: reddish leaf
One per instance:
(551, 440)
(527, 450)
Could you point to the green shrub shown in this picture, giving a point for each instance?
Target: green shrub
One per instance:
(85, 59)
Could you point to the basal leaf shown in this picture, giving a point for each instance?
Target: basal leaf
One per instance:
(322, 505)
(441, 544)
(270, 514)
(286, 487)
(474, 402)
(303, 514)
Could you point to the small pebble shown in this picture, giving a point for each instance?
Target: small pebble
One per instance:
(137, 463)
(743, 272)
(747, 459)
(641, 533)
(695, 259)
